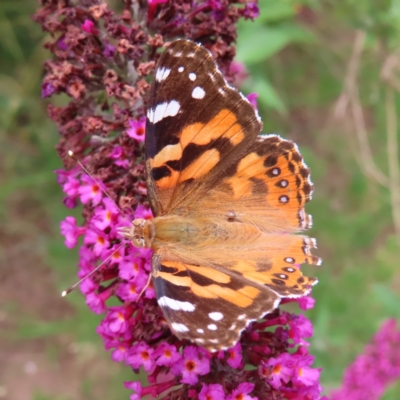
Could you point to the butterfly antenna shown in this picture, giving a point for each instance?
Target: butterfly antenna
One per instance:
(72, 155)
(71, 288)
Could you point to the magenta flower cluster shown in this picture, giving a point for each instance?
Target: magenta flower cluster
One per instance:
(101, 61)
(374, 370)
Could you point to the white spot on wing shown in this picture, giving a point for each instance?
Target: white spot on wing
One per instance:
(192, 76)
(216, 316)
(163, 110)
(212, 327)
(276, 303)
(175, 304)
(180, 69)
(162, 74)
(213, 340)
(200, 330)
(241, 317)
(198, 93)
(179, 327)
(283, 199)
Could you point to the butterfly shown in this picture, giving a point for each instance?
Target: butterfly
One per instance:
(226, 203)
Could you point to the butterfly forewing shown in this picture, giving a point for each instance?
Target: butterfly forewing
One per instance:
(197, 125)
(226, 200)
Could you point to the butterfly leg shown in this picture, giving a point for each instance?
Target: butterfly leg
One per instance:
(144, 289)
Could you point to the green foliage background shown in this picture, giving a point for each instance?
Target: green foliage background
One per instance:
(327, 77)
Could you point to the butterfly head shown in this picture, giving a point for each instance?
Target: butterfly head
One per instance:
(140, 233)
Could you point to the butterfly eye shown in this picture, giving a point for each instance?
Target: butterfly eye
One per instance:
(138, 242)
(139, 222)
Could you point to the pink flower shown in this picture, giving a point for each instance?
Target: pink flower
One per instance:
(95, 302)
(143, 212)
(129, 291)
(234, 355)
(140, 355)
(88, 286)
(71, 231)
(250, 11)
(191, 365)
(98, 239)
(306, 376)
(166, 355)
(117, 321)
(137, 387)
(90, 191)
(277, 371)
(300, 327)
(119, 155)
(306, 302)
(149, 293)
(137, 129)
(114, 254)
(373, 371)
(242, 392)
(71, 187)
(212, 392)
(105, 216)
(252, 97)
(89, 27)
(130, 267)
(239, 72)
(120, 352)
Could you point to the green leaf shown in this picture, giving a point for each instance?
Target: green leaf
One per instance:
(256, 45)
(272, 10)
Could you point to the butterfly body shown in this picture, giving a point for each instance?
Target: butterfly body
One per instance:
(227, 203)
(201, 233)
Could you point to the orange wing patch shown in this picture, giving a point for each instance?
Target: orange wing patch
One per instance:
(180, 274)
(279, 270)
(285, 178)
(169, 159)
(268, 187)
(224, 124)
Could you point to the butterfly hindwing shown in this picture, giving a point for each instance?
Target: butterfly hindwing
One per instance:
(208, 306)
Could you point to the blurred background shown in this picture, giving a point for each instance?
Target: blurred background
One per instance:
(327, 75)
